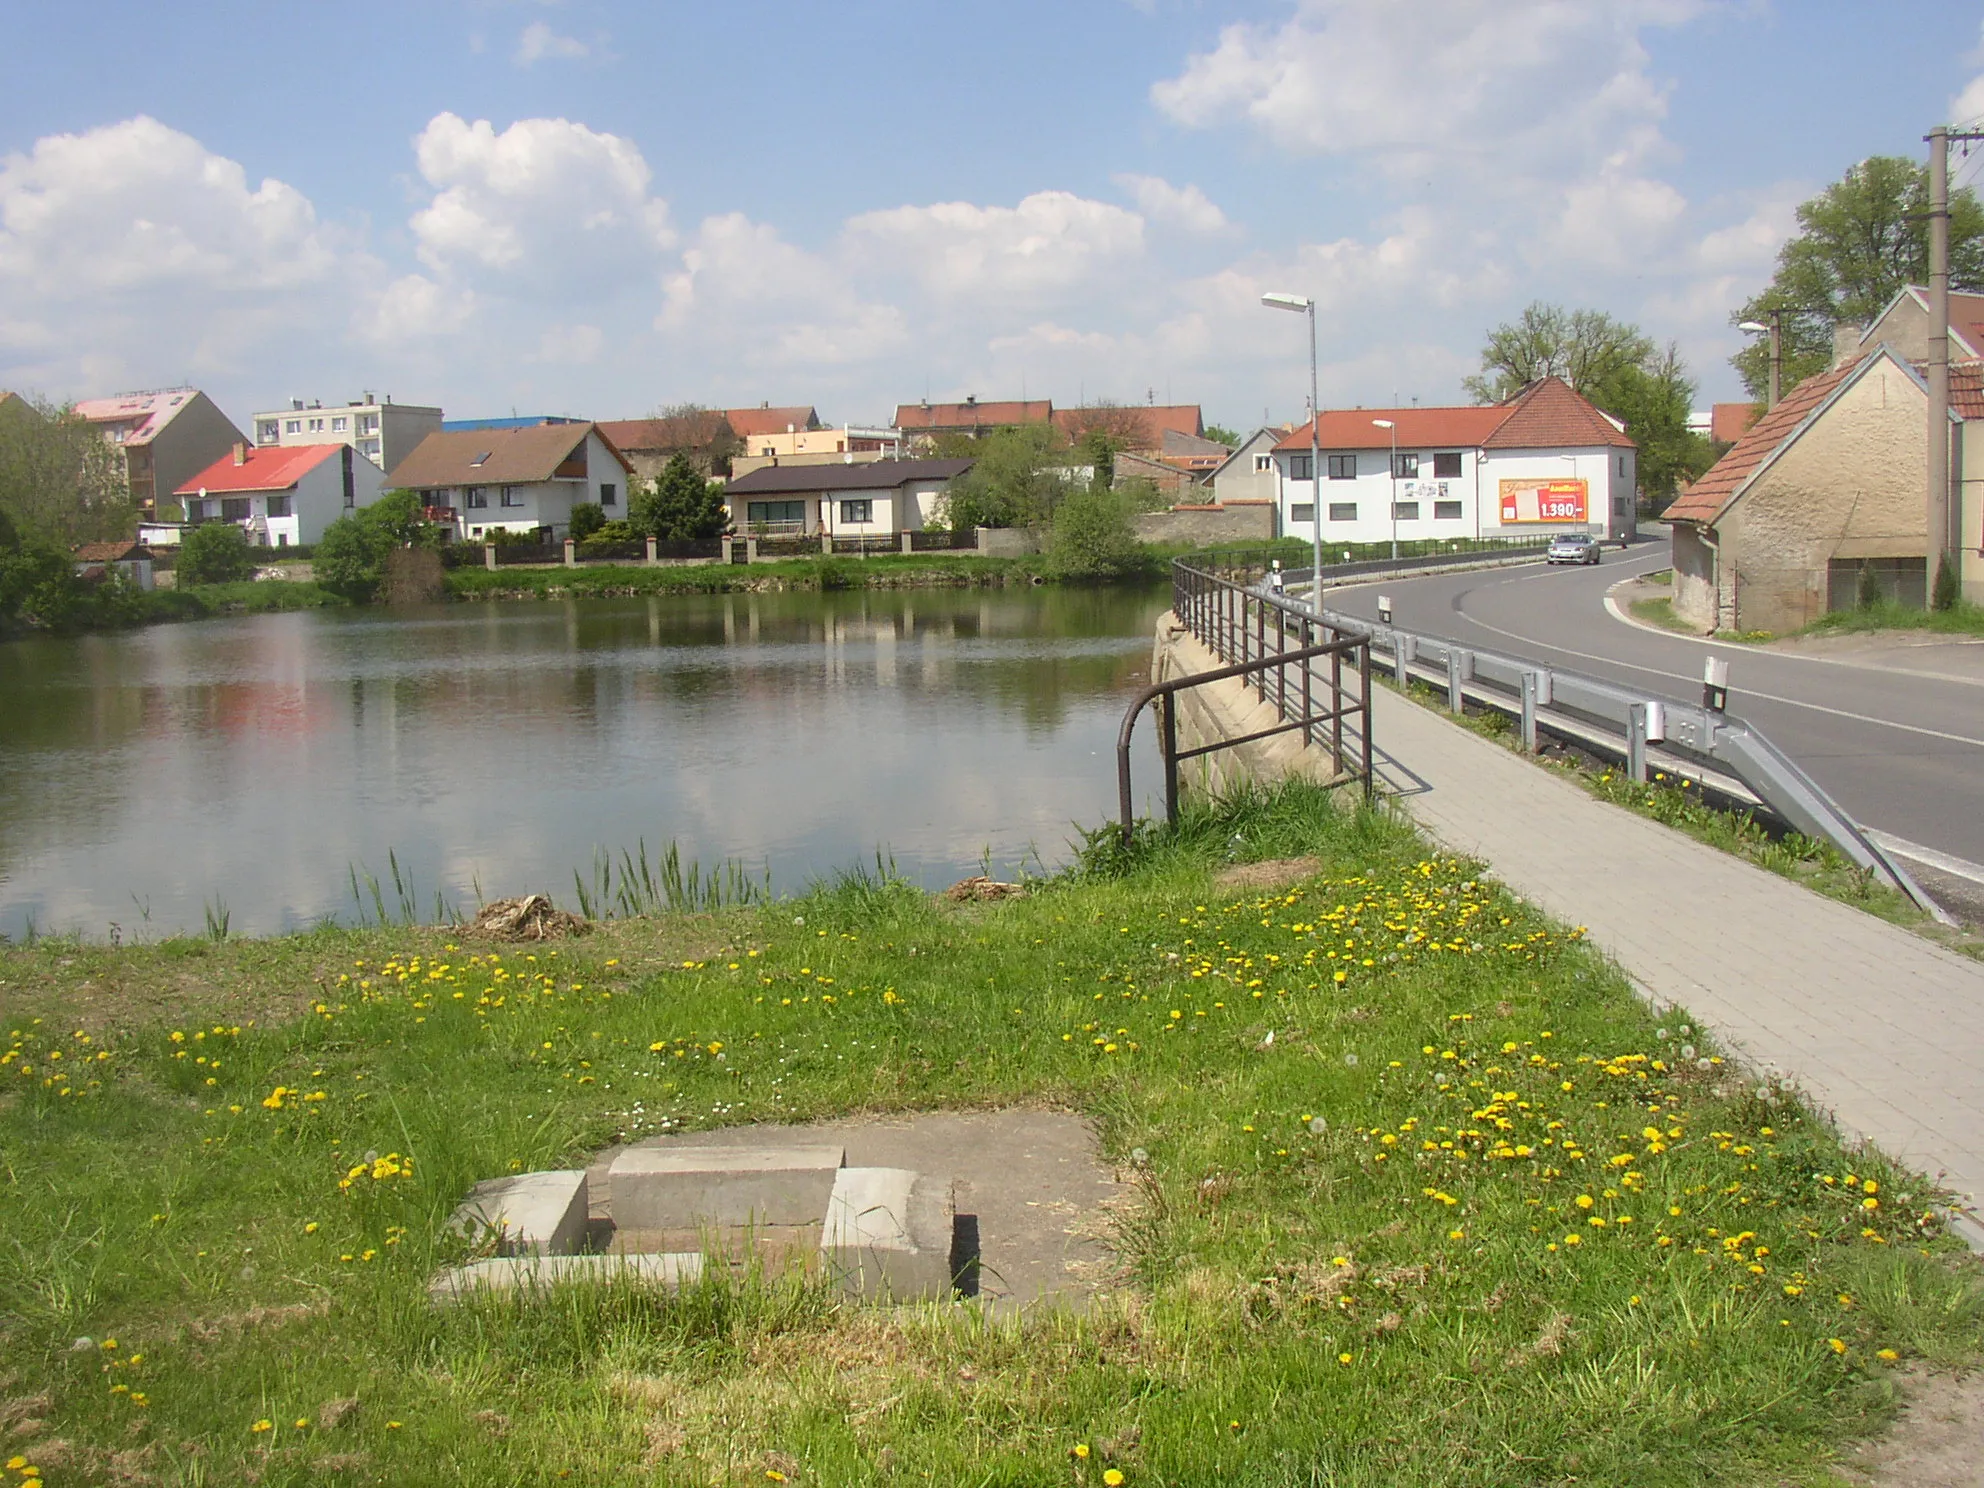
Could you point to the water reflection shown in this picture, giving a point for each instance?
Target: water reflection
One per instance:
(250, 761)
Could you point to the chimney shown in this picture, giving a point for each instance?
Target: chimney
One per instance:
(296, 405)
(1846, 343)
(971, 400)
(241, 452)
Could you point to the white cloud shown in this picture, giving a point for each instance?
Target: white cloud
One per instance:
(547, 203)
(1186, 207)
(1513, 82)
(570, 345)
(1051, 242)
(414, 309)
(131, 253)
(539, 43)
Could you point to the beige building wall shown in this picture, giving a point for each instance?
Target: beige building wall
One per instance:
(1969, 481)
(197, 435)
(1696, 599)
(1850, 487)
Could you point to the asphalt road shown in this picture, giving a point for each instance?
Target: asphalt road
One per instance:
(1894, 731)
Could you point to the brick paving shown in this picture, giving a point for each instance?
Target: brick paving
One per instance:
(1876, 1024)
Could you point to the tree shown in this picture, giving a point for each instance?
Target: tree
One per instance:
(587, 518)
(1860, 242)
(703, 434)
(1220, 434)
(350, 559)
(61, 481)
(1094, 537)
(1016, 480)
(681, 505)
(1587, 348)
(215, 553)
(1617, 366)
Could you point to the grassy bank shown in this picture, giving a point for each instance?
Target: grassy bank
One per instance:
(1962, 619)
(1468, 1215)
(878, 571)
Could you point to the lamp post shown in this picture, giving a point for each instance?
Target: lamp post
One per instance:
(1775, 330)
(1307, 307)
(1388, 425)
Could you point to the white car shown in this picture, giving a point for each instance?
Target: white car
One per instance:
(1573, 547)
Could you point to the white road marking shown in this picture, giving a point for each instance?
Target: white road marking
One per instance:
(1927, 856)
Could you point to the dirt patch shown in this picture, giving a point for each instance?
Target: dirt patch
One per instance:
(1937, 1441)
(1032, 1189)
(530, 918)
(1274, 874)
(980, 889)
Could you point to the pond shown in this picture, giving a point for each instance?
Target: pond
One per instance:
(254, 767)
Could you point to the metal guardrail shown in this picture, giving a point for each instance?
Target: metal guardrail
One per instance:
(1634, 728)
(1218, 612)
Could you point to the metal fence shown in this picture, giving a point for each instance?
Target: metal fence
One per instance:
(943, 542)
(1317, 680)
(1642, 732)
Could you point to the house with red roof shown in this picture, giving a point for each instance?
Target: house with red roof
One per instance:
(1545, 461)
(1822, 497)
(165, 436)
(922, 422)
(281, 497)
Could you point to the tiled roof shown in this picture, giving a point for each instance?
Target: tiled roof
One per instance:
(874, 476)
(680, 431)
(111, 552)
(1967, 389)
(915, 417)
(1153, 425)
(750, 421)
(489, 457)
(267, 468)
(1550, 414)
(1729, 422)
(1417, 428)
(1703, 501)
(147, 412)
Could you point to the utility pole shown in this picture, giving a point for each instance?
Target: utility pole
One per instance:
(1937, 526)
(1944, 519)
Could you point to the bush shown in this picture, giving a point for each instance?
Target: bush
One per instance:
(681, 505)
(615, 532)
(215, 553)
(1948, 592)
(1093, 537)
(587, 519)
(351, 558)
(1868, 593)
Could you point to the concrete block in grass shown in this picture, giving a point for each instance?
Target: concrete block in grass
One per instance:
(529, 1213)
(692, 1188)
(889, 1234)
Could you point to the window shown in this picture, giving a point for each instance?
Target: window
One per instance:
(1622, 464)
(279, 506)
(1343, 467)
(1405, 467)
(293, 426)
(282, 539)
(478, 497)
(857, 511)
(270, 431)
(1302, 511)
(368, 423)
(759, 513)
(1447, 466)
(1299, 468)
(1263, 464)
(234, 508)
(1446, 511)
(512, 496)
(609, 494)
(1343, 511)
(1405, 511)
(339, 425)
(316, 426)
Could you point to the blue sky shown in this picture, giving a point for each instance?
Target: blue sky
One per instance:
(600, 208)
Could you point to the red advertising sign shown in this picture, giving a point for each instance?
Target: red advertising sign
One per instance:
(1543, 501)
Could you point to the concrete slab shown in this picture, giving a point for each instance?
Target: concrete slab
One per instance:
(529, 1213)
(692, 1188)
(889, 1234)
(508, 1273)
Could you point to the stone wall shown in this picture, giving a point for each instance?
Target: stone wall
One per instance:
(1204, 526)
(1695, 599)
(1225, 710)
(1007, 542)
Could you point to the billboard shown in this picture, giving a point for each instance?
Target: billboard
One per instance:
(1543, 501)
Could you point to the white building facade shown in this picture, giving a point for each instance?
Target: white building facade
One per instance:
(524, 481)
(384, 432)
(1545, 462)
(282, 498)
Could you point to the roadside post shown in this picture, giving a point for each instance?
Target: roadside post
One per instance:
(1454, 680)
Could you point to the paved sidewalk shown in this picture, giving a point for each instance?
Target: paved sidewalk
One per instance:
(1876, 1024)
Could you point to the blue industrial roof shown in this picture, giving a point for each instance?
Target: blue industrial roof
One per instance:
(526, 421)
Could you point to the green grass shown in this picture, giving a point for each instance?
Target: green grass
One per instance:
(1964, 619)
(878, 571)
(1392, 1297)
(1661, 612)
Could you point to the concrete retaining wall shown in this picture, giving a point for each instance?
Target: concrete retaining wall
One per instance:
(1227, 710)
(1204, 526)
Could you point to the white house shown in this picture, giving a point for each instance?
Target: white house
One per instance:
(385, 433)
(282, 498)
(526, 480)
(1545, 461)
(882, 499)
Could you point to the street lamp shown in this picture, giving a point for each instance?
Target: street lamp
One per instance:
(1389, 425)
(1775, 330)
(1307, 306)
